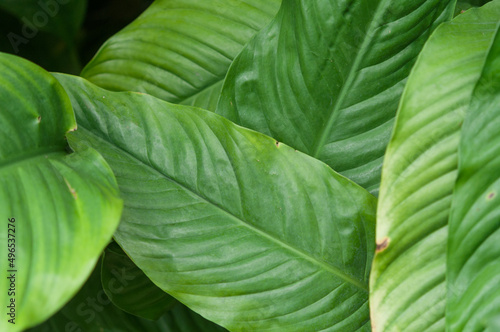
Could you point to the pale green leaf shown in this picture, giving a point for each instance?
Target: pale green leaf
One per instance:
(65, 206)
(407, 285)
(473, 264)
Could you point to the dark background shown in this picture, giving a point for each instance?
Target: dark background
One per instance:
(102, 19)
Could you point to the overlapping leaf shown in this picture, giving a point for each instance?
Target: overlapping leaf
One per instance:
(135, 294)
(92, 311)
(408, 276)
(464, 5)
(244, 230)
(65, 207)
(473, 264)
(180, 50)
(181, 319)
(326, 77)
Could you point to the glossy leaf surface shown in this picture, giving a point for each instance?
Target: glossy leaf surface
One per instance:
(407, 285)
(137, 294)
(65, 206)
(325, 77)
(244, 230)
(473, 265)
(180, 50)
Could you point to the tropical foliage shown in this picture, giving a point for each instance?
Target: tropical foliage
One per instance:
(253, 165)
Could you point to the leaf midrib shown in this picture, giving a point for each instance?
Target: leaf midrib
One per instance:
(322, 264)
(325, 131)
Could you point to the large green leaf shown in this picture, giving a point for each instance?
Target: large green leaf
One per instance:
(136, 294)
(408, 276)
(65, 207)
(92, 311)
(62, 18)
(244, 230)
(473, 264)
(326, 76)
(180, 50)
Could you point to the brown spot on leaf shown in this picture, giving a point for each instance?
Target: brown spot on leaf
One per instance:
(277, 144)
(490, 196)
(382, 245)
(39, 119)
(71, 190)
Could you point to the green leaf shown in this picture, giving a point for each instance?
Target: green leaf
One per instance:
(65, 207)
(473, 265)
(408, 276)
(244, 230)
(92, 311)
(137, 295)
(179, 50)
(326, 76)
